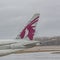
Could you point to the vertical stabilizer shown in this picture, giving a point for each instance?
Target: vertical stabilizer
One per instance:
(29, 30)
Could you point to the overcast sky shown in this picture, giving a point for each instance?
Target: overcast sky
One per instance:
(14, 14)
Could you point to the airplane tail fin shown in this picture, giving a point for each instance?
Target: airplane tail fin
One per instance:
(29, 30)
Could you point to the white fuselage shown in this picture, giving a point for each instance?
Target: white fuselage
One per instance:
(8, 46)
(14, 44)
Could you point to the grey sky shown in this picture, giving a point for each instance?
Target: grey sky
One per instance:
(14, 14)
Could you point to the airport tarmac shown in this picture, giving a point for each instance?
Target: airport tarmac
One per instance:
(32, 56)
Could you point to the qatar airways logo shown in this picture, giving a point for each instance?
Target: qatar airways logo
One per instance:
(30, 28)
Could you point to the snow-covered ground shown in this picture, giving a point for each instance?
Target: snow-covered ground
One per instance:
(32, 56)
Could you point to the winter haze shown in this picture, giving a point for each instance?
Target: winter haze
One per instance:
(14, 14)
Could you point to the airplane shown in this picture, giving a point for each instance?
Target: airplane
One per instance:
(24, 39)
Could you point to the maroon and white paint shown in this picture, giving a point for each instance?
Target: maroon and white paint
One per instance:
(31, 29)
